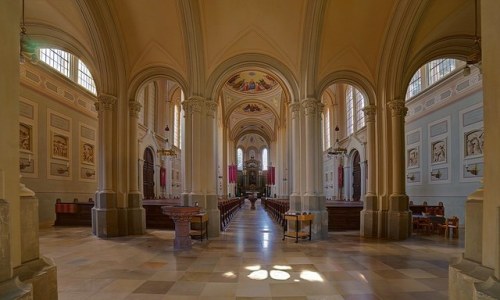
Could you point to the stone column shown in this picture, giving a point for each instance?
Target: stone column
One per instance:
(104, 213)
(210, 174)
(399, 217)
(135, 212)
(295, 151)
(224, 165)
(310, 106)
(369, 214)
(39, 271)
(312, 199)
(187, 150)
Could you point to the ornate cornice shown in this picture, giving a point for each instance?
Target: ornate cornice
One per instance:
(134, 108)
(398, 107)
(370, 111)
(105, 102)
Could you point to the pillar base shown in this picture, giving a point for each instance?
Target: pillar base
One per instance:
(15, 289)
(42, 275)
(471, 280)
(105, 215)
(136, 214)
(369, 217)
(316, 206)
(399, 218)
(212, 209)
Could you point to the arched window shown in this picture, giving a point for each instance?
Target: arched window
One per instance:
(239, 158)
(349, 102)
(69, 66)
(176, 125)
(360, 104)
(431, 73)
(355, 102)
(264, 159)
(326, 129)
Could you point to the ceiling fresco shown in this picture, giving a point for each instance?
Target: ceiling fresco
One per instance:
(252, 82)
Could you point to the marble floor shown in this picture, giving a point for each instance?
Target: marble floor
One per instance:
(248, 261)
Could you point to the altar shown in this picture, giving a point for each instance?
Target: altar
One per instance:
(252, 179)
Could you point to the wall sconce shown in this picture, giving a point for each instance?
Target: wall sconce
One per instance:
(436, 174)
(473, 170)
(89, 173)
(63, 169)
(23, 165)
(411, 177)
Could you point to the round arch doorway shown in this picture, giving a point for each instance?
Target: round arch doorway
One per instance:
(356, 177)
(148, 174)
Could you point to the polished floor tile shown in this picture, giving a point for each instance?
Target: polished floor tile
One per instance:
(248, 261)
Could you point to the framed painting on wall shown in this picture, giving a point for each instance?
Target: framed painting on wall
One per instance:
(413, 158)
(87, 153)
(439, 152)
(473, 143)
(25, 137)
(60, 146)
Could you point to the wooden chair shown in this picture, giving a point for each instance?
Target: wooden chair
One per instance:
(425, 226)
(450, 226)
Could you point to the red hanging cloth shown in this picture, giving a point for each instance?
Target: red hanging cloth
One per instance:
(341, 176)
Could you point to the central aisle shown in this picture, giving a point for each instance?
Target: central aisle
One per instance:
(248, 261)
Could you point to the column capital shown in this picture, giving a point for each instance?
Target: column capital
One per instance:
(210, 107)
(398, 107)
(370, 111)
(105, 102)
(294, 109)
(134, 108)
(193, 104)
(310, 105)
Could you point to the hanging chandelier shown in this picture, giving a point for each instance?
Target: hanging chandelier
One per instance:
(337, 150)
(167, 151)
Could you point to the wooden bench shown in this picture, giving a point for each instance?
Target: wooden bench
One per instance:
(73, 213)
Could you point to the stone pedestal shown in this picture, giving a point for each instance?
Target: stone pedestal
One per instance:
(252, 201)
(181, 215)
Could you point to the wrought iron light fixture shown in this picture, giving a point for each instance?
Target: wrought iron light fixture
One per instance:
(337, 150)
(167, 151)
(26, 46)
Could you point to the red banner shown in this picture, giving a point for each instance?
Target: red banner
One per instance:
(163, 177)
(272, 176)
(341, 176)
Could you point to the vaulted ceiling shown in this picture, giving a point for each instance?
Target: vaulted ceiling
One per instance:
(333, 35)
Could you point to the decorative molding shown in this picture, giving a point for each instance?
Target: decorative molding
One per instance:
(134, 108)
(310, 105)
(211, 108)
(398, 108)
(62, 90)
(370, 111)
(105, 102)
(452, 89)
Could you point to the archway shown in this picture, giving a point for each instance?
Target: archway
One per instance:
(148, 172)
(356, 177)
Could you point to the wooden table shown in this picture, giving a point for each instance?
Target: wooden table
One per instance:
(298, 219)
